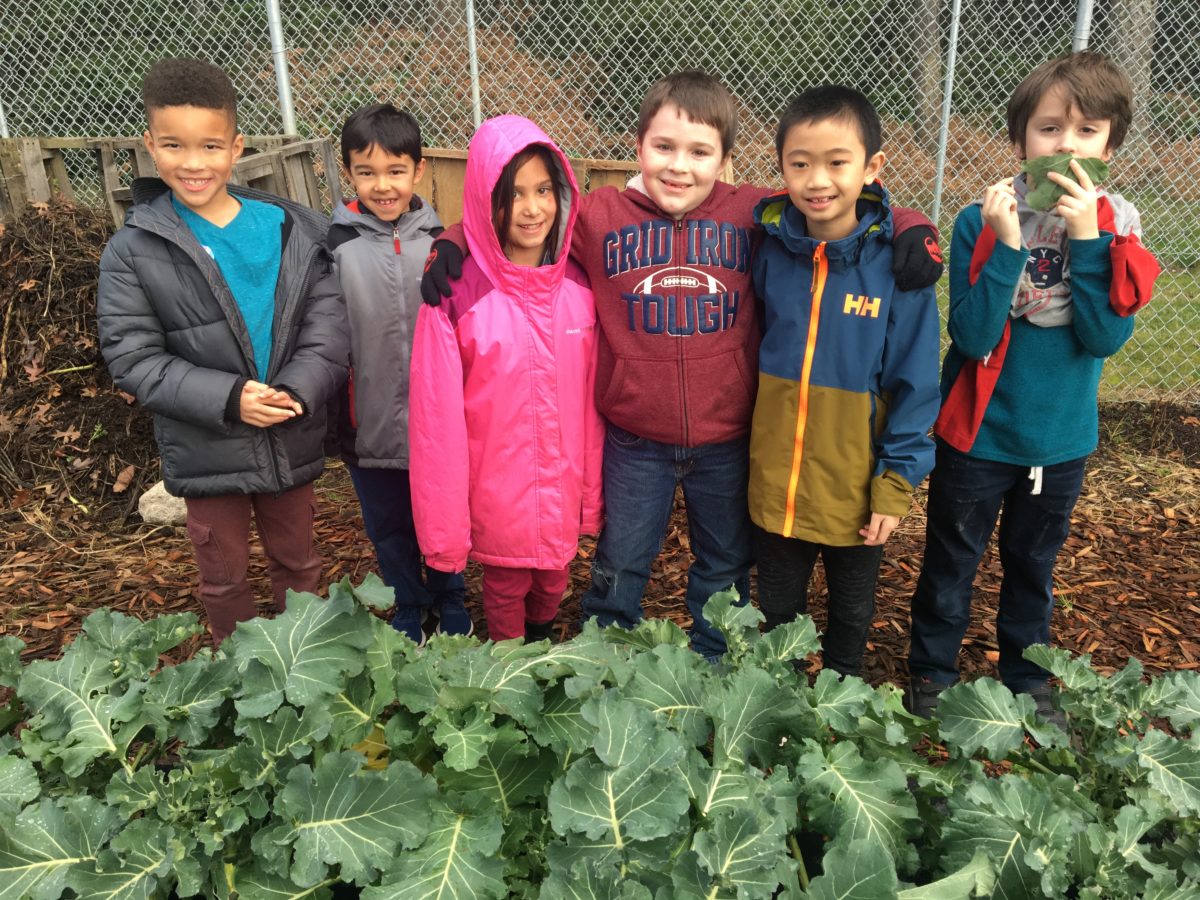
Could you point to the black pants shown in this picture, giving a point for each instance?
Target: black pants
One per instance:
(784, 567)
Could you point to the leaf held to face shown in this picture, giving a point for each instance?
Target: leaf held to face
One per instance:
(1044, 193)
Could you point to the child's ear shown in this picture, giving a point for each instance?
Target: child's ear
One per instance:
(419, 171)
(148, 141)
(239, 144)
(874, 165)
(1018, 152)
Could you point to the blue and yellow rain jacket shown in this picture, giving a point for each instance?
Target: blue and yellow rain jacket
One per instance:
(848, 377)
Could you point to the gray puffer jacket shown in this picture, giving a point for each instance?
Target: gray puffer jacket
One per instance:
(173, 337)
(379, 265)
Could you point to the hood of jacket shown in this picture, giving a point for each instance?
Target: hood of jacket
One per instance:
(417, 221)
(780, 219)
(496, 142)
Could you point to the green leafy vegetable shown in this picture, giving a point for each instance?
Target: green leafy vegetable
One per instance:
(1043, 193)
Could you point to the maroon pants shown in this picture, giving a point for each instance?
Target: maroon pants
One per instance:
(220, 531)
(512, 597)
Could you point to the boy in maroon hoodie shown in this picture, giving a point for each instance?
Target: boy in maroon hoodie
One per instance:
(669, 263)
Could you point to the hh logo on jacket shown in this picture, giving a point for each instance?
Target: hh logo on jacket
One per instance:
(682, 294)
(862, 306)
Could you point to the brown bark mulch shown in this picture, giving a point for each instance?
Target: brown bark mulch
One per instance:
(75, 454)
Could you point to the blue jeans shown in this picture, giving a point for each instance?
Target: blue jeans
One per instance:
(386, 501)
(640, 476)
(965, 496)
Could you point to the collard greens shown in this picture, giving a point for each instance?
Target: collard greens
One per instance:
(1044, 193)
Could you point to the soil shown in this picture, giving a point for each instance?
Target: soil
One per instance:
(75, 454)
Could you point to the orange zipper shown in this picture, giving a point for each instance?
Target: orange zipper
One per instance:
(820, 270)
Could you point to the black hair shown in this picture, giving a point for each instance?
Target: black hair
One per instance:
(184, 81)
(381, 125)
(832, 101)
(502, 196)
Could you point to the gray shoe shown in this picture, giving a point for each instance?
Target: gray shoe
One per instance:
(1043, 698)
(922, 696)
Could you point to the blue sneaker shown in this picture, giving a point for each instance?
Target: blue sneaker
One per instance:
(407, 621)
(453, 618)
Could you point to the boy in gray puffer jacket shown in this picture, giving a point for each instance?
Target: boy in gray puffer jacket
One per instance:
(219, 311)
(379, 242)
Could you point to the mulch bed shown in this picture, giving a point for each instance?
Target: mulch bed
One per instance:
(75, 454)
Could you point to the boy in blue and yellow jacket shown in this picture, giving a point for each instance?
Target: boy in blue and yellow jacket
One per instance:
(848, 372)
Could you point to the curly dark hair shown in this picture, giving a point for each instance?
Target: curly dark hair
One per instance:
(182, 81)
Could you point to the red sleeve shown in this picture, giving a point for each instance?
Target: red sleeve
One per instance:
(1134, 270)
(455, 235)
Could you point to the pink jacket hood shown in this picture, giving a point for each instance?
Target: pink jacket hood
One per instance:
(496, 142)
(505, 439)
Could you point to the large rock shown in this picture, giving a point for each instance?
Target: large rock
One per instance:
(160, 508)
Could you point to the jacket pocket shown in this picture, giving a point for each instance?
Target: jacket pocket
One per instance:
(209, 557)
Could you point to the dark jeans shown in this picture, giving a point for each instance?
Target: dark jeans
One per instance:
(784, 567)
(965, 496)
(640, 476)
(386, 501)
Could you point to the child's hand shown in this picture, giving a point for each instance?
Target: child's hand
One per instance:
(263, 406)
(879, 529)
(1000, 212)
(1078, 204)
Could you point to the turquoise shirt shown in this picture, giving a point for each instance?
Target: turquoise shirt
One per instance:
(248, 252)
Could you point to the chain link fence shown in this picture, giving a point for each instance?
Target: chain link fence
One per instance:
(579, 68)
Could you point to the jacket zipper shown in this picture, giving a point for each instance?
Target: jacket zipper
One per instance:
(677, 248)
(396, 238)
(820, 270)
(285, 328)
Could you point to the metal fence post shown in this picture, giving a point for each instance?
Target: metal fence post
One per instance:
(3, 124)
(474, 56)
(947, 96)
(283, 81)
(1083, 26)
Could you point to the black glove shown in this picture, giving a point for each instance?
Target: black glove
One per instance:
(443, 264)
(916, 258)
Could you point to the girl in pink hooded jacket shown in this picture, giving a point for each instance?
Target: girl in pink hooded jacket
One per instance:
(505, 439)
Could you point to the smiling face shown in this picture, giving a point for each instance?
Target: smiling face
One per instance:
(194, 149)
(532, 214)
(825, 167)
(680, 160)
(383, 181)
(1057, 126)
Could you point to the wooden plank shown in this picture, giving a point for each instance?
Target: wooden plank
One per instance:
(333, 175)
(58, 172)
(446, 186)
(112, 182)
(298, 171)
(603, 177)
(263, 171)
(34, 166)
(12, 179)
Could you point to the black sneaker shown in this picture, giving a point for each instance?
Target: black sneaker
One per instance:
(1043, 698)
(539, 631)
(922, 696)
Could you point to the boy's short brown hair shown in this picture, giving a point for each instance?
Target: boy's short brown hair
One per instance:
(183, 81)
(1093, 84)
(701, 96)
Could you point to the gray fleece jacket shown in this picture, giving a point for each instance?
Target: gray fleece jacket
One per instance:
(379, 265)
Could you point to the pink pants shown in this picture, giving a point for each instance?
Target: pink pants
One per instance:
(512, 597)
(219, 528)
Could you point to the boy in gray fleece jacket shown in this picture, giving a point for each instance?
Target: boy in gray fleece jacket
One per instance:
(379, 242)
